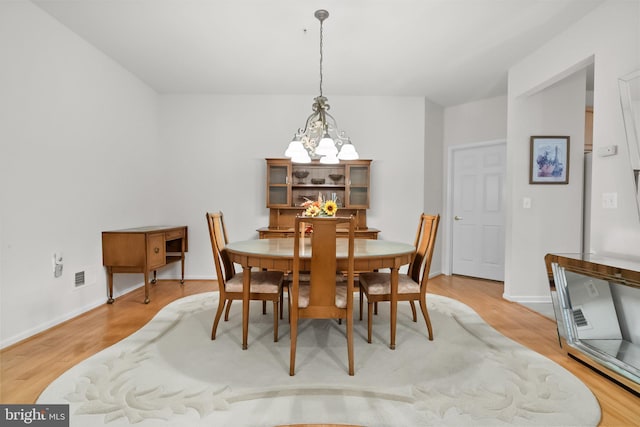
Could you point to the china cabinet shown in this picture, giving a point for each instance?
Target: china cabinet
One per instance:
(289, 185)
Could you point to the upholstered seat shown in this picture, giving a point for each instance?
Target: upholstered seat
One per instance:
(305, 289)
(376, 286)
(380, 284)
(262, 282)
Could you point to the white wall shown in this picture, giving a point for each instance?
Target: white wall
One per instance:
(609, 36)
(433, 177)
(478, 121)
(215, 146)
(554, 221)
(78, 155)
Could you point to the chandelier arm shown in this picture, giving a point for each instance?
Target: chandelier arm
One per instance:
(307, 125)
(334, 127)
(323, 119)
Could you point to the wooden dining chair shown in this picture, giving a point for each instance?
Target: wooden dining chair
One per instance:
(411, 286)
(265, 285)
(323, 297)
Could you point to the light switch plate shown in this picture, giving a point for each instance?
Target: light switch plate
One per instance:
(610, 200)
(610, 150)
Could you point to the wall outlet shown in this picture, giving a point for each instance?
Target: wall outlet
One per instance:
(57, 264)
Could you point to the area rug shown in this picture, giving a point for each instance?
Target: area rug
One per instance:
(170, 373)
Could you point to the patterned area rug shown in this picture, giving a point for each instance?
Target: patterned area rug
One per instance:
(170, 373)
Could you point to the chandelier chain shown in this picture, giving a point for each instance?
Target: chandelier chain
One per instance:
(321, 57)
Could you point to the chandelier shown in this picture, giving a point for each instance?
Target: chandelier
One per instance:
(320, 137)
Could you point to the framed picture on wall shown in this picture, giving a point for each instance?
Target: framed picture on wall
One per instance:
(549, 161)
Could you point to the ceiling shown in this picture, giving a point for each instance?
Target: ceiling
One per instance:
(450, 51)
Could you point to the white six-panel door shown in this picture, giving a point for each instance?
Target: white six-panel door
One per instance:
(478, 211)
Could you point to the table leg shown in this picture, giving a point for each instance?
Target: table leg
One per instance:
(246, 287)
(394, 305)
(110, 282)
(182, 262)
(146, 287)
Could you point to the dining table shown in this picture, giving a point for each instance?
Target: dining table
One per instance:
(277, 254)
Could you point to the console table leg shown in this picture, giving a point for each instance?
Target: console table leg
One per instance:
(154, 280)
(146, 287)
(182, 263)
(110, 283)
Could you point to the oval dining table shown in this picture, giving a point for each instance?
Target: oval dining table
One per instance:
(277, 254)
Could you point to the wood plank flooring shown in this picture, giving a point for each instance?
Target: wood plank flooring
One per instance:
(28, 367)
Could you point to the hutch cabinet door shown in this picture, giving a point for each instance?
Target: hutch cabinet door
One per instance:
(358, 186)
(278, 183)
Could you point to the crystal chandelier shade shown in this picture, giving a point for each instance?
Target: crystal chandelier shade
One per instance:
(320, 137)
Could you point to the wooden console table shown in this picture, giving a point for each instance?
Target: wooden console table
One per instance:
(141, 250)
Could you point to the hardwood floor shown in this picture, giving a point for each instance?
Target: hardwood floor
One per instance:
(28, 367)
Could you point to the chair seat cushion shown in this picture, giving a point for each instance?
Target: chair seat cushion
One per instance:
(380, 283)
(305, 288)
(262, 282)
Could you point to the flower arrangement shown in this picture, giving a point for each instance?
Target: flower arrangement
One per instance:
(320, 207)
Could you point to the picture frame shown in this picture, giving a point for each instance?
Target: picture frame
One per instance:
(549, 160)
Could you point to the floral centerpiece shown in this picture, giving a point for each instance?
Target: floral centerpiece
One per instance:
(320, 207)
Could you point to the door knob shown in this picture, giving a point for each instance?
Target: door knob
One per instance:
(457, 218)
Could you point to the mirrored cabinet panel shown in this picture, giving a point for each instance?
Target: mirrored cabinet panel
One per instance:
(597, 307)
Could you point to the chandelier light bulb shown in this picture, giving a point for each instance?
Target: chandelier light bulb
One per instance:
(329, 159)
(301, 157)
(348, 152)
(326, 147)
(295, 146)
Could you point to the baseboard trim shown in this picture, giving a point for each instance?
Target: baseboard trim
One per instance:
(50, 324)
(63, 318)
(527, 298)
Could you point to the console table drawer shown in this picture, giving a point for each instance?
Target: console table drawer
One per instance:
(156, 250)
(174, 234)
